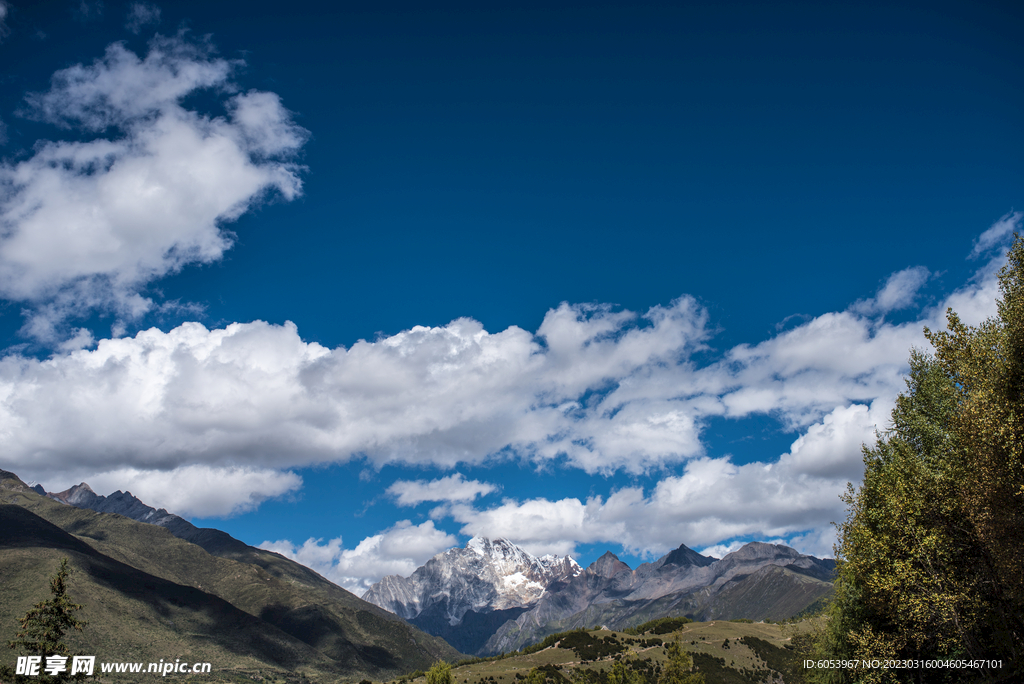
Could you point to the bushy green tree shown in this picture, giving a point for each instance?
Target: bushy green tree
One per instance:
(440, 673)
(930, 555)
(44, 626)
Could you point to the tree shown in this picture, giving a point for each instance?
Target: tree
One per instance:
(677, 667)
(624, 673)
(45, 624)
(440, 673)
(930, 555)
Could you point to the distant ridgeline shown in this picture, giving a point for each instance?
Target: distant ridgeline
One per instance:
(164, 588)
(494, 597)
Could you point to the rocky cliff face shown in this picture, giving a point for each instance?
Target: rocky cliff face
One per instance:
(484, 576)
(464, 594)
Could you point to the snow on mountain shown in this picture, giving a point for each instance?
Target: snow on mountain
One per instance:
(484, 576)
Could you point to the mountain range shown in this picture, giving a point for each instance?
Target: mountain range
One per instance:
(196, 591)
(171, 590)
(494, 597)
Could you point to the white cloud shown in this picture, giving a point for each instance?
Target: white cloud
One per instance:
(998, 234)
(141, 14)
(712, 500)
(832, 448)
(451, 488)
(899, 292)
(398, 550)
(722, 550)
(257, 395)
(538, 525)
(80, 339)
(87, 225)
(197, 490)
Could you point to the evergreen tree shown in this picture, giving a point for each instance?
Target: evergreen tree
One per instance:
(44, 626)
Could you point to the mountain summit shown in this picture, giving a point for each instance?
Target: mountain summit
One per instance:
(464, 594)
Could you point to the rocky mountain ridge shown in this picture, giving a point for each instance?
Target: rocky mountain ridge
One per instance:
(494, 597)
(463, 594)
(682, 582)
(123, 503)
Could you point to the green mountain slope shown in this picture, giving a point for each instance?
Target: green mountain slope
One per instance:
(724, 652)
(267, 611)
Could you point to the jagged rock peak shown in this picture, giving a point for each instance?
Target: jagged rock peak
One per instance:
(508, 552)
(483, 576)
(79, 495)
(608, 565)
(684, 556)
(500, 546)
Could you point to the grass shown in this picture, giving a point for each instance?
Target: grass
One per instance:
(726, 652)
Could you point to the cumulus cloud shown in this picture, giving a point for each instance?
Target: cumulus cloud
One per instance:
(141, 14)
(257, 394)
(86, 225)
(398, 550)
(451, 488)
(713, 499)
(199, 490)
(593, 388)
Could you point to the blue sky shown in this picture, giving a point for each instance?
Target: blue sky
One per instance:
(387, 275)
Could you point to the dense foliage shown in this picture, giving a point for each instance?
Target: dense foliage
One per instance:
(659, 626)
(440, 673)
(552, 639)
(931, 564)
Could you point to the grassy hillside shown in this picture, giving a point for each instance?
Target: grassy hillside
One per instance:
(725, 652)
(150, 595)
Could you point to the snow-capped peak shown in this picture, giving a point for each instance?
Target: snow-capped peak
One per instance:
(479, 544)
(485, 575)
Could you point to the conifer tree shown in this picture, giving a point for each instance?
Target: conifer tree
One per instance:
(45, 624)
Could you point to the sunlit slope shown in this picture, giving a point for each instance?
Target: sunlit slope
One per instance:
(329, 629)
(724, 652)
